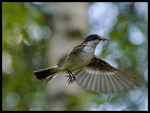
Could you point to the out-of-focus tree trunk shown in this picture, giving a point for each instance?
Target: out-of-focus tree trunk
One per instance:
(69, 25)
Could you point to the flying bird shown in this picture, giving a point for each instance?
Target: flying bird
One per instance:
(89, 71)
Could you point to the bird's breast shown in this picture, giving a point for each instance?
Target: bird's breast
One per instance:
(79, 60)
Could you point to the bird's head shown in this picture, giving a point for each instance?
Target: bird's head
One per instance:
(94, 39)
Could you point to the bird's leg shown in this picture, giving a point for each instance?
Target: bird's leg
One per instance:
(71, 78)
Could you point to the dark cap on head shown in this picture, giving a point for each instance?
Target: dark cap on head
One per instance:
(94, 37)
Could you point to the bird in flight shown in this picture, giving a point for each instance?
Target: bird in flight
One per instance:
(89, 71)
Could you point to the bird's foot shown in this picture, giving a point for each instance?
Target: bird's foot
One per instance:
(71, 78)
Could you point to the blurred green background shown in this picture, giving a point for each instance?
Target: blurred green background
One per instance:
(27, 32)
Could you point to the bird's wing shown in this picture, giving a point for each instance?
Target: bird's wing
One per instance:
(61, 61)
(99, 76)
(75, 50)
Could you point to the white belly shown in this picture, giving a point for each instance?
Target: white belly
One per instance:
(79, 60)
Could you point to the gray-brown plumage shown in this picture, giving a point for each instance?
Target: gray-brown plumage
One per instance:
(101, 77)
(87, 70)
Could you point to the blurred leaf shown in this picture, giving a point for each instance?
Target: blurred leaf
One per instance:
(16, 17)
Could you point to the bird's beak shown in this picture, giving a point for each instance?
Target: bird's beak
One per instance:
(103, 39)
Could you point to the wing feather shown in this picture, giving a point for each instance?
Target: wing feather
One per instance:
(89, 82)
(103, 85)
(81, 79)
(101, 77)
(108, 84)
(79, 75)
(85, 82)
(93, 87)
(98, 82)
(125, 82)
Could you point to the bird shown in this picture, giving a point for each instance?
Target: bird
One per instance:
(89, 71)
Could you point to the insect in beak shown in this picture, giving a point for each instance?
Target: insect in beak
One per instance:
(103, 39)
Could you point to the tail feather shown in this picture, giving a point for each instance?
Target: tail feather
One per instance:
(43, 73)
(49, 78)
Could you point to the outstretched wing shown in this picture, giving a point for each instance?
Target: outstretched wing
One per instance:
(99, 76)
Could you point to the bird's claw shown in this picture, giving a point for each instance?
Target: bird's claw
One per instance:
(71, 78)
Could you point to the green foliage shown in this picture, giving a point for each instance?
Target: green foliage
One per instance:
(20, 52)
(77, 102)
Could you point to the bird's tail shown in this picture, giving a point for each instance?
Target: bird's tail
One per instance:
(43, 73)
